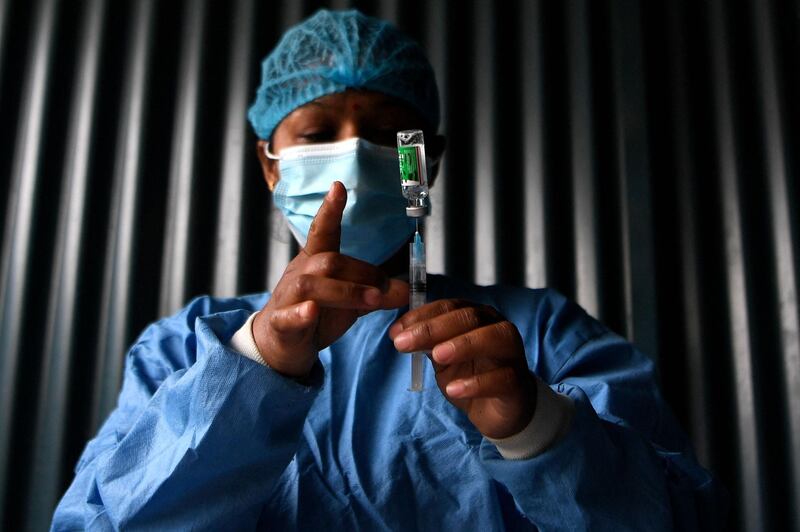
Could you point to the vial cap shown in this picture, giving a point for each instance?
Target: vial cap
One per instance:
(416, 212)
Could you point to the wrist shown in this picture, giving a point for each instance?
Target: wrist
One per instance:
(526, 408)
(292, 365)
(550, 422)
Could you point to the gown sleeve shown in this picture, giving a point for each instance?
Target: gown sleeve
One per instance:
(199, 435)
(624, 463)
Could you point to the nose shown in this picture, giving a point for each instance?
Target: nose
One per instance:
(349, 128)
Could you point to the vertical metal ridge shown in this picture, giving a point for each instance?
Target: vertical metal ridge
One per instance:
(687, 230)
(486, 231)
(228, 252)
(566, 98)
(782, 235)
(632, 163)
(389, 10)
(281, 244)
(117, 287)
(62, 309)
(750, 466)
(182, 186)
(5, 6)
(534, 183)
(291, 14)
(9, 123)
(15, 268)
(587, 286)
(282, 248)
(456, 190)
(435, 43)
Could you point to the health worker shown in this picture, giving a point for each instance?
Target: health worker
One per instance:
(289, 410)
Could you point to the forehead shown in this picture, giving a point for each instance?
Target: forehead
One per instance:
(354, 103)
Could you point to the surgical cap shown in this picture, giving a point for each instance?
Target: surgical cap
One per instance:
(336, 50)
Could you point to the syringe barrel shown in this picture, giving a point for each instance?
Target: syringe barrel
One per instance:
(417, 298)
(417, 371)
(417, 280)
(417, 273)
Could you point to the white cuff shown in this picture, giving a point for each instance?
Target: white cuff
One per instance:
(244, 342)
(550, 421)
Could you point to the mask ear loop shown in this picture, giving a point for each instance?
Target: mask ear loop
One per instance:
(269, 154)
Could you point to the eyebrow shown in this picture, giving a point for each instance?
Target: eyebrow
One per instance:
(390, 106)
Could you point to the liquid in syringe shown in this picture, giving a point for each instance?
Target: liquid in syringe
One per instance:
(417, 280)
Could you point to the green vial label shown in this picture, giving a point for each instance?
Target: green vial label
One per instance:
(409, 167)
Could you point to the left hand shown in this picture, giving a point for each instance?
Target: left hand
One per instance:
(479, 360)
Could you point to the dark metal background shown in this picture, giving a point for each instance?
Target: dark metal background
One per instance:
(639, 156)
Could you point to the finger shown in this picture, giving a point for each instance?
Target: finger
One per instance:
(498, 382)
(292, 322)
(294, 318)
(500, 341)
(424, 335)
(436, 366)
(396, 295)
(426, 312)
(326, 228)
(337, 266)
(332, 293)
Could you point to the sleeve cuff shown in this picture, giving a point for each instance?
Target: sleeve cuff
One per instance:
(244, 342)
(549, 422)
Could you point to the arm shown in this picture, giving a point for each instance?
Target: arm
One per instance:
(624, 463)
(193, 419)
(605, 472)
(201, 433)
(606, 454)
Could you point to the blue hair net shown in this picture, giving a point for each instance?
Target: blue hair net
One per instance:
(336, 50)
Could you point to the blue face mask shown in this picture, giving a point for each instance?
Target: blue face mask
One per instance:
(374, 222)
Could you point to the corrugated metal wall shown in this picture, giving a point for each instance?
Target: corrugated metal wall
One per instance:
(639, 156)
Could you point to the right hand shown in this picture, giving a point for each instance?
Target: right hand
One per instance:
(320, 295)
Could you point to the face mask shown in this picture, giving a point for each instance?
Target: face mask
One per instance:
(374, 222)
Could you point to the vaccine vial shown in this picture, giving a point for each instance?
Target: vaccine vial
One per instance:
(413, 171)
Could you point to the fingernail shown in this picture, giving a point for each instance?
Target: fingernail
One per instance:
(455, 388)
(305, 311)
(403, 341)
(443, 353)
(330, 191)
(372, 297)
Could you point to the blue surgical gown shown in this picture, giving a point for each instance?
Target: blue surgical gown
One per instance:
(205, 438)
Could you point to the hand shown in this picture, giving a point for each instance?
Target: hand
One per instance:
(320, 295)
(479, 360)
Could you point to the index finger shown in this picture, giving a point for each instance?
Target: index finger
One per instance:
(326, 230)
(425, 312)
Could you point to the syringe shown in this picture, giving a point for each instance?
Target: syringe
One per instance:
(417, 280)
(414, 180)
